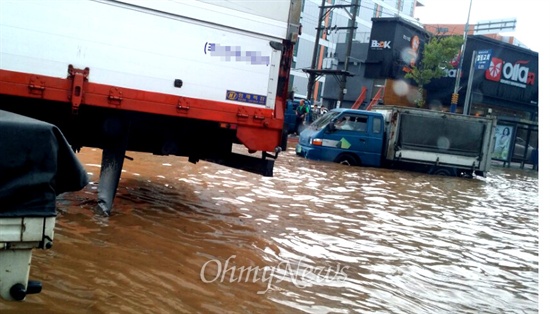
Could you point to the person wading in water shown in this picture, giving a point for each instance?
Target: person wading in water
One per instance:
(301, 111)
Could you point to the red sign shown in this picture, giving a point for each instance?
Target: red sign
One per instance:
(516, 74)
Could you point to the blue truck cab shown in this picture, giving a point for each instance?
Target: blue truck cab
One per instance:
(353, 137)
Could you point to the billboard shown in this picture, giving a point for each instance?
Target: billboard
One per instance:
(507, 74)
(394, 47)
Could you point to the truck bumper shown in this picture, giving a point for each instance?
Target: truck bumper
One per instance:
(18, 236)
(315, 153)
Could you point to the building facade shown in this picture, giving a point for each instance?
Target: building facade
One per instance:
(335, 17)
(459, 29)
(507, 87)
(502, 80)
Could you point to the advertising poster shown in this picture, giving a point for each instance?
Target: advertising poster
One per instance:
(394, 47)
(503, 140)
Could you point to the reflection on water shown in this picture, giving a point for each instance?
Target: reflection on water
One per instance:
(316, 237)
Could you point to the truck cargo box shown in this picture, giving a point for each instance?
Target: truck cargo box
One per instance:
(218, 53)
(438, 138)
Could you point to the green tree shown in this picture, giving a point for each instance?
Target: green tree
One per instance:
(436, 57)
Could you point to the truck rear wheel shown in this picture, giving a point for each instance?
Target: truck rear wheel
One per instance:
(442, 171)
(347, 160)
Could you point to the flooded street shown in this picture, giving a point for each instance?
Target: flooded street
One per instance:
(317, 237)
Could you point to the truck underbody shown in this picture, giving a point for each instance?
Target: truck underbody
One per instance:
(117, 120)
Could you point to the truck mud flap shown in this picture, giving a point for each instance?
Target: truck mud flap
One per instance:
(284, 139)
(262, 166)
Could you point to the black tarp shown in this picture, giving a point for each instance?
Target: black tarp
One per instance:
(36, 165)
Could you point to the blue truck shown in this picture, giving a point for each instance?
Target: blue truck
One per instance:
(406, 138)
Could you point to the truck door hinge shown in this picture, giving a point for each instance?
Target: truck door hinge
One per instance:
(242, 114)
(259, 116)
(37, 86)
(183, 105)
(115, 96)
(77, 92)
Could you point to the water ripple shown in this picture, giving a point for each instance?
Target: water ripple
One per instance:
(327, 239)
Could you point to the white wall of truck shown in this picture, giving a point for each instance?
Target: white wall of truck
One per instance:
(146, 45)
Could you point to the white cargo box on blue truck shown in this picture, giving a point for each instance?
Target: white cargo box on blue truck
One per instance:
(407, 138)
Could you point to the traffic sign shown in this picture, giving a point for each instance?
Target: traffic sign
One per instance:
(483, 59)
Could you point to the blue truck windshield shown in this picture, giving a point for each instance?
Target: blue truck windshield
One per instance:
(324, 120)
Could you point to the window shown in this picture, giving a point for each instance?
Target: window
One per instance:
(351, 123)
(376, 125)
(377, 12)
(361, 124)
(296, 45)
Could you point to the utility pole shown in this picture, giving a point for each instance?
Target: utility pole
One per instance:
(313, 72)
(454, 98)
(349, 41)
(312, 77)
(468, 98)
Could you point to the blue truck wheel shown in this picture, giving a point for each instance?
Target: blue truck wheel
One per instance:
(346, 159)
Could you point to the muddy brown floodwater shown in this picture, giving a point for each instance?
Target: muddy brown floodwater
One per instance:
(317, 237)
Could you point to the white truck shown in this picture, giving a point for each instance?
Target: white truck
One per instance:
(180, 77)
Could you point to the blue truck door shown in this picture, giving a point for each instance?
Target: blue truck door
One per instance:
(290, 116)
(360, 135)
(375, 139)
